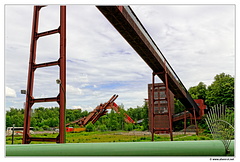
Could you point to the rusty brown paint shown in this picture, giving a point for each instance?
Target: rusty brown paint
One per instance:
(61, 62)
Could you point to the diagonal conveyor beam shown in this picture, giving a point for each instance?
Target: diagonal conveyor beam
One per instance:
(129, 26)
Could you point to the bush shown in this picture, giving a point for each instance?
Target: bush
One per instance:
(102, 128)
(128, 127)
(138, 128)
(90, 127)
(45, 127)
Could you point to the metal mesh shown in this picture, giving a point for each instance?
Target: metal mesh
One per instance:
(220, 122)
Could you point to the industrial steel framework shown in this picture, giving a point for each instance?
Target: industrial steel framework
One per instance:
(99, 111)
(61, 62)
(152, 107)
(129, 26)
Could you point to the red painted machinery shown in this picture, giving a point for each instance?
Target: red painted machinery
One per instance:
(71, 129)
(100, 111)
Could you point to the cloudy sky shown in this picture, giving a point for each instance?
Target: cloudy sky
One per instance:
(197, 40)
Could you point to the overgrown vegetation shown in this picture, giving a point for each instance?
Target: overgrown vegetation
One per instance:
(47, 118)
(112, 136)
(221, 91)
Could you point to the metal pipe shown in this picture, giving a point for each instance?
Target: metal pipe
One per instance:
(165, 148)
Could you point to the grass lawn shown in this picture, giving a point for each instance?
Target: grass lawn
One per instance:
(111, 136)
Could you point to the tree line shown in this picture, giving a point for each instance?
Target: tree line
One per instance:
(46, 118)
(221, 91)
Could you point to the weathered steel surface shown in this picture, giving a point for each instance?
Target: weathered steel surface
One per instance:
(31, 69)
(128, 25)
(61, 62)
(62, 87)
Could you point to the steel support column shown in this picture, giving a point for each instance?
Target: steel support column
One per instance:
(61, 62)
(185, 121)
(195, 120)
(152, 107)
(62, 87)
(169, 106)
(31, 69)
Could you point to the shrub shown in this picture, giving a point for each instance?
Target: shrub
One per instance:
(45, 127)
(103, 128)
(90, 127)
(128, 127)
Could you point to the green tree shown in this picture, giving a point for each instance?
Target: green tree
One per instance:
(199, 91)
(102, 127)
(128, 126)
(42, 117)
(178, 106)
(221, 91)
(145, 116)
(113, 123)
(90, 127)
(14, 116)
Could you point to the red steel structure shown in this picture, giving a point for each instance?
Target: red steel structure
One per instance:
(129, 26)
(99, 111)
(61, 62)
(168, 113)
(159, 119)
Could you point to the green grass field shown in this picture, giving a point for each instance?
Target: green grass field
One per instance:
(111, 136)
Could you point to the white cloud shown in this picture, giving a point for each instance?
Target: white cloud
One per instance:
(73, 90)
(76, 107)
(197, 40)
(83, 109)
(9, 92)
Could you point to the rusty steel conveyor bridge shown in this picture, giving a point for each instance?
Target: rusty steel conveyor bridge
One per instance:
(129, 26)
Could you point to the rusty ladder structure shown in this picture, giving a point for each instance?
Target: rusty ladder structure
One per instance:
(167, 98)
(61, 62)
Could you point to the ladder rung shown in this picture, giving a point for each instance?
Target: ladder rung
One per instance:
(43, 139)
(159, 85)
(51, 99)
(161, 129)
(46, 64)
(48, 33)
